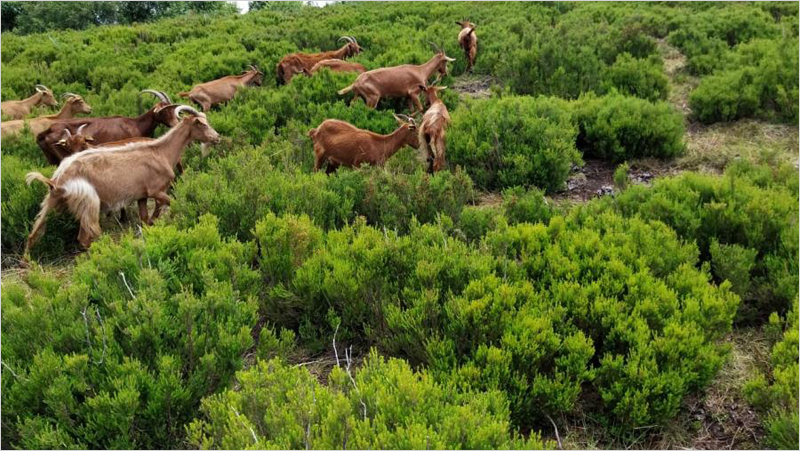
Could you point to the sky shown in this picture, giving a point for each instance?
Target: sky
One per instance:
(245, 6)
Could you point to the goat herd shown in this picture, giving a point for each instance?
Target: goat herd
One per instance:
(105, 163)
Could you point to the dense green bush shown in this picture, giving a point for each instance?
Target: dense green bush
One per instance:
(527, 317)
(383, 406)
(618, 128)
(758, 79)
(121, 356)
(745, 224)
(776, 400)
(514, 141)
(20, 205)
(643, 78)
(245, 186)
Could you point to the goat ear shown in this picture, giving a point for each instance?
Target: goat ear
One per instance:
(62, 142)
(422, 87)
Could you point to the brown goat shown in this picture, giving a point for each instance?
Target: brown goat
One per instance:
(74, 105)
(298, 63)
(398, 81)
(432, 130)
(340, 143)
(17, 109)
(107, 180)
(469, 42)
(223, 89)
(109, 128)
(338, 66)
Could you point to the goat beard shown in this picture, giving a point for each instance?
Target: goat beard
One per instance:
(204, 150)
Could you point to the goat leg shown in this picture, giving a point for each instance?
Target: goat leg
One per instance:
(161, 200)
(143, 216)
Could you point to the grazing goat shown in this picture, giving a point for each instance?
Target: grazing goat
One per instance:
(74, 105)
(222, 90)
(338, 66)
(108, 129)
(17, 109)
(468, 41)
(340, 143)
(432, 130)
(107, 180)
(398, 81)
(297, 63)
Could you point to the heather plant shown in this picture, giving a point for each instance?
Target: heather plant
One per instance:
(382, 405)
(617, 128)
(514, 141)
(121, 356)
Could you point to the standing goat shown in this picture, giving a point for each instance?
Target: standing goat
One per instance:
(468, 41)
(432, 131)
(340, 143)
(398, 81)
(107, 180)
(74, 105)
(297, 63)
(108, 129)
(17, 109)
(338, 66)
(222, 90)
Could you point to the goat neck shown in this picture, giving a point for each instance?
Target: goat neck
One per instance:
(395, 140)
(427, 69)
(175, 141)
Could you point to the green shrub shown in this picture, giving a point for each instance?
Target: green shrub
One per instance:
(637, 77)
(245, 186)
(520, 313)
(121, 356)
(744, 213)
(475, 221)
(621, 176)
(618, 128)
(20, 205)
(520, 205)
(514, 141)
(385, 405)
(758, 79)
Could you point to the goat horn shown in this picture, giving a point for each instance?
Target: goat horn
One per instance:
(80, 129)
(158, 94)
(255, 68)
(166, 96)
(353, 39)
(435, 47)
(343, 38)
(69, 94)
(187, 109)
(42, 87)
(67, 133)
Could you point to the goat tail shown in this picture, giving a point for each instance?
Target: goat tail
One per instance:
(346, 90)
(31, 176)
(183, 94)
(471, 30)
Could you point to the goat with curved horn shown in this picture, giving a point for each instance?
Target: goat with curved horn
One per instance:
(69, 94)
(160, 95)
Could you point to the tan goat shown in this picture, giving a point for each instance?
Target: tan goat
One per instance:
(432, 130)
(297, 63)
(17, 109)
(108, 179)
(342, 144)
(398, 81)
(338, 65)
(74, 105)
(469, 42)
(223, 89)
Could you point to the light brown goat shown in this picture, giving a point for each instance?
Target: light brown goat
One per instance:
(223, 89)
(469, 42)
(74, 105)
(17, 109)
(342, 144)
(108, 179)
(298, 63)
(337, 65)
(398, 81)
(432, 130)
